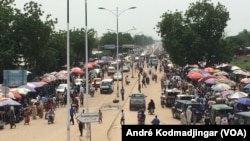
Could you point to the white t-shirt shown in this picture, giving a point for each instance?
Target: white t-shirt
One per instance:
(218, 120)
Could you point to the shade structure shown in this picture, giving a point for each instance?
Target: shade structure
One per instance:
(9, 102)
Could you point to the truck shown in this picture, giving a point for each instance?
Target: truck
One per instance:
(137, 101)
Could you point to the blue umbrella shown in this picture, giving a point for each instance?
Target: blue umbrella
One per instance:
(9, 102)
(247, 86)
(244, 101)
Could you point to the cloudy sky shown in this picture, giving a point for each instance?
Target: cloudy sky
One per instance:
(143, 18)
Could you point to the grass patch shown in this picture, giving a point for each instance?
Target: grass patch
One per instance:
(242, 61)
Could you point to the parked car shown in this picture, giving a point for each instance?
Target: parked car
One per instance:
(98, 82)
(182, 105)
(117, 76)
(62, 88)
(219, 109)
(125, 68)
(137, 101)
(171, 95)
(106, 86)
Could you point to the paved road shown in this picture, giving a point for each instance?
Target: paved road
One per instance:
(109, 130)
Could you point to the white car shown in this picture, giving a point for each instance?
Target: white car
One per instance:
(62, 88)
(79, 81)
(117, 76)
(125, 68)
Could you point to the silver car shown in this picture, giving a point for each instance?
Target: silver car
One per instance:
(117, 76)
(125, 68)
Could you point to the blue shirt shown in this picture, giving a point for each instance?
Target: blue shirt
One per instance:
(72, 111)
(155, 121)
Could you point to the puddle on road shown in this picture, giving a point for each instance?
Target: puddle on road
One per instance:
(110, 107)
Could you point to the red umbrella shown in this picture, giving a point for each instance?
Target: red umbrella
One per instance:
(90, 65)
(15, 94)
(77, 70)
(194, 75)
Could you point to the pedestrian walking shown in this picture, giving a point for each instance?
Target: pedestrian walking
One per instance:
(81, 125)
(139, 87)
(72, 114)
(144, 82)
(122, 93)
(155, 121)
(183, 118)
(122, 121)
(100, 116)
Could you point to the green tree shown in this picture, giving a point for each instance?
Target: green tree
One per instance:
(32, 36)
(196, 35)
(7, 17)
(142, 40)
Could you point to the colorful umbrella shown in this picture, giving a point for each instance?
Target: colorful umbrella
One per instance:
(23, 91)
(206, 77)
(238, 95)
(12, 94)
(39, 84)
(227, 93)
(48, 78)
(77, 70)
(211, 81)
(245, 80)
(247, 86)
(244, 101)
(9, 102)
(208, 69)
(219, 87)
(194, 75)
(32, 89)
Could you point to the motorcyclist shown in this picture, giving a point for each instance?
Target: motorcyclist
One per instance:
(127, 80)
(51, 115)
(151, 104)
(141, 117)
(163, 99)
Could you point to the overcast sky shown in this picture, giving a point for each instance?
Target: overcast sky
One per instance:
(144, 18)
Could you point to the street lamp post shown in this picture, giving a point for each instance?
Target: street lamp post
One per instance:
(117, 14)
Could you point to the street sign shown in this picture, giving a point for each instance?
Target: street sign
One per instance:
(14, 78)
(88, 117)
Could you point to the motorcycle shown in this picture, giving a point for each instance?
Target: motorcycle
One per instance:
(92, 92)
(127, 81)
(51, 119)
(151, 110)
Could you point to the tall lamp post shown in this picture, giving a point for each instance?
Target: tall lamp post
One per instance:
(117, 14)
